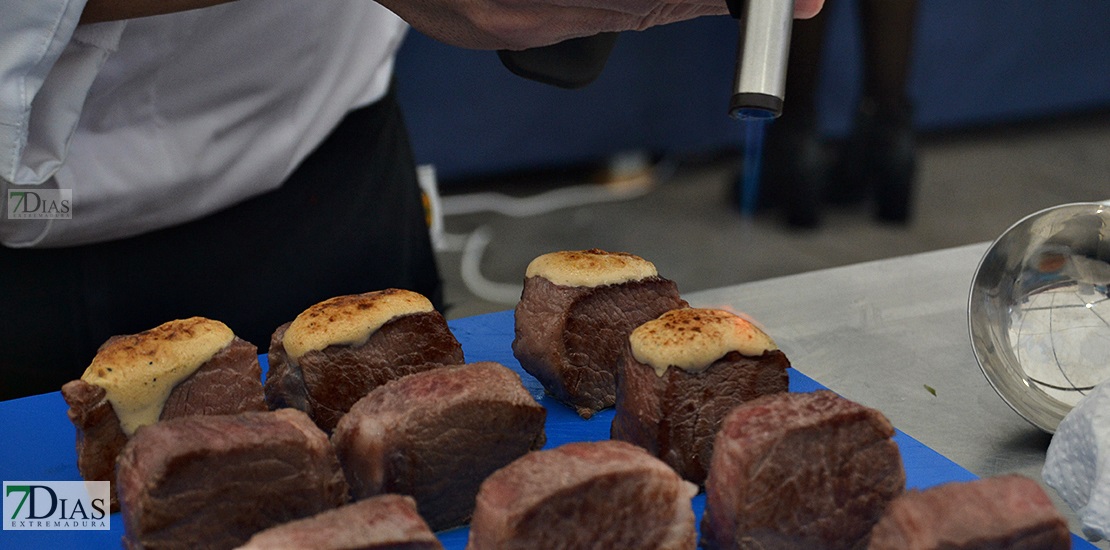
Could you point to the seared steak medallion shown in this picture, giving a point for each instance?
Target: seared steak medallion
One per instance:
(681, 373)
(1005, 512)
(436, 435)
(386, 522)
(214, 481)
(605, 494)
(800, 470)
(574, 315)
(336, 351)
(180, 368)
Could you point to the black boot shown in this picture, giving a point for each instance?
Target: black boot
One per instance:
(895, 170)
(878, 160)
(796, 173)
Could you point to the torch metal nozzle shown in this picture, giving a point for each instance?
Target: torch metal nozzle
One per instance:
(760, 83)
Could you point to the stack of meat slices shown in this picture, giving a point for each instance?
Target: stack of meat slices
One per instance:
(186, 367)
(202, 465)
(337, 351)
(681, 373)
(216, 481)
(574, 316)
(815, 470)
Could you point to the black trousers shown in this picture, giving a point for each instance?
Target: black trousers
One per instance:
(348, 220)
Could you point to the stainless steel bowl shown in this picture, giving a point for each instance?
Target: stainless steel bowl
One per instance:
(1039, 311)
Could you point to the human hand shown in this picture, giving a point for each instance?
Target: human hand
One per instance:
(520, 24)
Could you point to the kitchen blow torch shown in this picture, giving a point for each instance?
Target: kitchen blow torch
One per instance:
(759, 84)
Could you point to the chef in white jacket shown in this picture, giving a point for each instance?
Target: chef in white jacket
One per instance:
(236, 160)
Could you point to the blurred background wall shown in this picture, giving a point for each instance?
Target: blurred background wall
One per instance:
(976, 63)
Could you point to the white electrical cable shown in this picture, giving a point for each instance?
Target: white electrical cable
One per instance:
(549, 201)
(523, 207)
(473, 246)
(452, 242)
(471, 270)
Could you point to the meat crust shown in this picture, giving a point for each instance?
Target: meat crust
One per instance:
(325, 383)
(229, 383)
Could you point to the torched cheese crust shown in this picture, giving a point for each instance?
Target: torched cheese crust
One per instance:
(349, 320)
(692, 339)
(139, 371)
(590, 268)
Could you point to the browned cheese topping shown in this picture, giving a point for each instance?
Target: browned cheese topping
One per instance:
(590, 268)
(692, 339)
(139, 371)
(349, 320)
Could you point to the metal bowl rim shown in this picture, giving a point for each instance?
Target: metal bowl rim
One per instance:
(1046, 424)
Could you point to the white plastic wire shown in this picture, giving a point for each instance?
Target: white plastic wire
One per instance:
(473, 245)
(549, 201)
(471, 270)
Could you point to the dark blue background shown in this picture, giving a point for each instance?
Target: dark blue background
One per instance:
(976, 62)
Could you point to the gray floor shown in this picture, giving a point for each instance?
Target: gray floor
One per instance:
(972, 185)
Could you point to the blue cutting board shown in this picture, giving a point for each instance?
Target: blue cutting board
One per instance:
(38, 440)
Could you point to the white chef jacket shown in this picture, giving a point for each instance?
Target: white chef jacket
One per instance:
(160, 120)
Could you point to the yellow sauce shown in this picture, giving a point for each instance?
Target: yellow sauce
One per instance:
(139, 371)
(590, 268)
(692, 339)
(349, 320)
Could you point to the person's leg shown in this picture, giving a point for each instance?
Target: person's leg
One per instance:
(888, 34)
(796, 165)
(349, 220)
(807, 44)
(885, 160)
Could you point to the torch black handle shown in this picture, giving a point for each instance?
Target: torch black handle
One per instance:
(572, 63)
